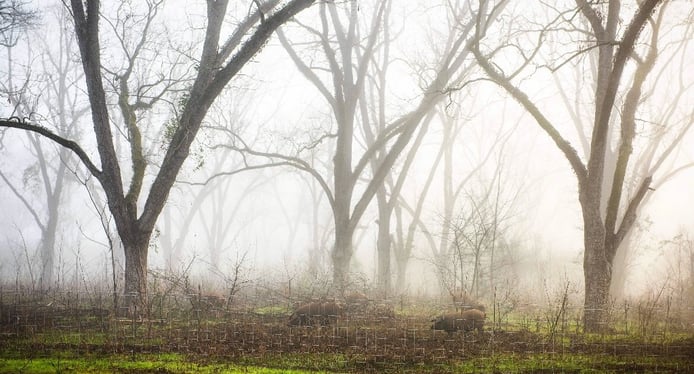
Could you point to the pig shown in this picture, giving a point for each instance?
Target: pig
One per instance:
(468, 320)
(324, 313)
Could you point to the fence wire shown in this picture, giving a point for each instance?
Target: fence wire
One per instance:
(366, 333)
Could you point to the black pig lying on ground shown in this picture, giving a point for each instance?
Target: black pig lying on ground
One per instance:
(467, 320)
(308, 314)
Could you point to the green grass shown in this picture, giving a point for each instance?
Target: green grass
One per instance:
(56, 337)
(162, 363)
(656, 339)
(273, 311)
(68, 362)
(60, 351)
(568, 363)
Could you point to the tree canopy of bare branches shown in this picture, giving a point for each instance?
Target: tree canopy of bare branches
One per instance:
(608, 215)
(220, 59)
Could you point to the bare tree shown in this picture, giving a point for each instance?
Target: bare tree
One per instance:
(679, 270)
(348, 60)
(214, 207)
(608, 215)
(477, 231)
(14, 19)
(675, 119)
(49, 174)
(455, 180)
(216, 202)
(348, 52)
(217, 64)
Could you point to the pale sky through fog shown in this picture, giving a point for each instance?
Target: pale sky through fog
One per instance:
(274, 221)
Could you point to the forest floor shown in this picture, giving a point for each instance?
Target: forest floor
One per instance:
(47, 339)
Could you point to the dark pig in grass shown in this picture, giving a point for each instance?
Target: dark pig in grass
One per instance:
(308, 314)
(466, 321)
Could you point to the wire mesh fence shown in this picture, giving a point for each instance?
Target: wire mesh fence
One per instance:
(365, 333)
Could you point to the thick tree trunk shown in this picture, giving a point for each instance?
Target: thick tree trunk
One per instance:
(342, 254)
(135, 292)
(343, 187)
(596, 268)
(597, 294)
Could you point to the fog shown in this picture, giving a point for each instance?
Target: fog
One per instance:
(276, 222)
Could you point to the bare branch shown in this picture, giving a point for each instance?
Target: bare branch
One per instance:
(295, 162)
(564, 146)
(630, 216)
(73, 146)
(628, 129)
(24, 201)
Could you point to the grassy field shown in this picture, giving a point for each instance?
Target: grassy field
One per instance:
(72, 362)
(38, 338)
(269, 347)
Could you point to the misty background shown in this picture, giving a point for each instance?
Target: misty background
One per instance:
(275, 221)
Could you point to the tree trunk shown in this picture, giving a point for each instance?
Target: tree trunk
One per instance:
(54, 200)
(316, 250)
(401, 263)
(597, 293)
(596, 268)
(383, 242)
(620, 267)
(344, 188)
(48, 254)
(135, 249)
(342, 254)
(401, 249)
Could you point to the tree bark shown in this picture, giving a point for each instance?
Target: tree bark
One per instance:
(342, 254)
(596, 268)
(135, 249)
